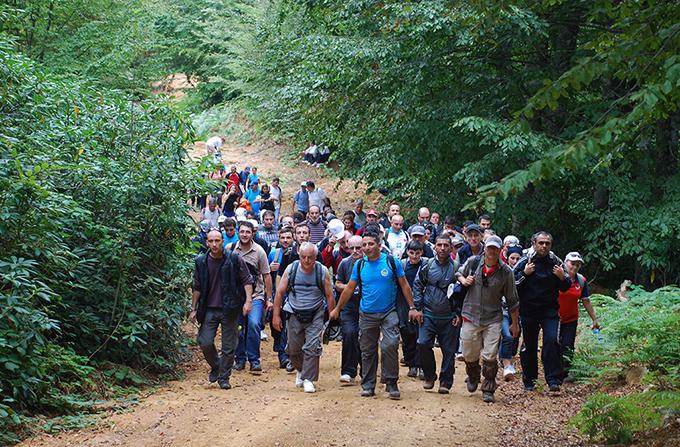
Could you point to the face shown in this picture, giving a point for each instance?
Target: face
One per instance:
(275, 183)
(265, 189)
(287, 221)
(513, 259)
(314, 214)
(254, 170)
(435, 218)
(359, 208)
(233, 169)
(245, 234)
(230, 230)
(212, 206)
(349, 223)
(303, 187)
(394, 210)
(215, 242)
(473, 238)
(414, 256)
(485, 223)
(491, 254)
(372, 218)
(424, 215)
(449, 228)
(254, 187)
(286, 239)
(418, 237)
(371, 247)
(443, 248)
(354, 246)
(343, 244)
(428, 233)
(302, 234)
(307, 258)
(542, 245)
(397, 223)
(573, 267)
(268, 221)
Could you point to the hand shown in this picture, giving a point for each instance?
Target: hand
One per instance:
(269, 305)
(529, 268)
(467, 281)
(192, 317)
(415, 316)
(559, 272)
(247, 306)
(456, 321)
(595, 325)
(335, 314)
(277, 323)
(332, 240)
(514, 330)
(274, 266)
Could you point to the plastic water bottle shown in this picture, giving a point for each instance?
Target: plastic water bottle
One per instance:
(596, 331)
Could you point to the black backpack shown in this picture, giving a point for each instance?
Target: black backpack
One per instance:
(318, 274)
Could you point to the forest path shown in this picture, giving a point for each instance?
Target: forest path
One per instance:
(268, 410)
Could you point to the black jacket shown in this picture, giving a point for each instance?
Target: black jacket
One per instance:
(233, 293)
(538, 292)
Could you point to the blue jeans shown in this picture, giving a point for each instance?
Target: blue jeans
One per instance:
(448, 339)
(550, 353)
(567, 342)
(508, 344)
(249, 335)
(349, 326)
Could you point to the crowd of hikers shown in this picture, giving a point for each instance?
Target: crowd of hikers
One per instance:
(372, 282)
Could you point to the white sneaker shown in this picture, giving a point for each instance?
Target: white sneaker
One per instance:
(509, 373)
(308, 386)
(263, 335)
(346, 378)
(460, 357)
(298, 380)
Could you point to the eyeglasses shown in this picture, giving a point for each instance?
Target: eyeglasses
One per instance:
(355, 248)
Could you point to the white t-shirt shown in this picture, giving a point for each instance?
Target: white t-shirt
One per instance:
(212, 216)
(397, 242)
(276, 195)
(213, 144)
(317, 197)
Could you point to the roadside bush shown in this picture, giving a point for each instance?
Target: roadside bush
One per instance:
(94, 241)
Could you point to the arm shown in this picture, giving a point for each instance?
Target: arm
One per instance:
(328, 286)
(418, 291)
(344, 298)
(268, 289)
(413, 314)
(195, 295)
(248, 305)
(281, 287)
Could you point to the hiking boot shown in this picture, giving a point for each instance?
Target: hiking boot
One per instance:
(444, 389)
(569, 379)
(214, 374)
(256, 369)
(224, 384)
(421, 374)
(393, 390)
(239, 366)
(554, 389)
(289, 367)
(412, 372)
(529, 387)
(487, 396)
(428, 384)
(367, 392)
(471, 386)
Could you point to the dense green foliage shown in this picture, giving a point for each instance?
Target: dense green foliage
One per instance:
(642, 332)
(94, 252)
(552, 114)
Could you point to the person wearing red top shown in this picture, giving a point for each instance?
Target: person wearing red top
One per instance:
(233, 178)
(569, 310)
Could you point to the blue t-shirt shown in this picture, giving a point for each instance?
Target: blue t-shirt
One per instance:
(301, 199)
(253, 178)
(251, 195)
(228, 240)
(379, 290)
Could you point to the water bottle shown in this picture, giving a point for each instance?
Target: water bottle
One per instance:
(596, 331)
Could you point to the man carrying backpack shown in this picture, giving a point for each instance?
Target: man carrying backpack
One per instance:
(488, 280)
(378, 275)
(306, 283)
(222, 289)
(431, 296)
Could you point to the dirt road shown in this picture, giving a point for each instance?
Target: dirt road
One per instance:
(268, 410)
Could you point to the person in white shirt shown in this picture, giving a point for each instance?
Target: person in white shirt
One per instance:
(317, 196)
(213, 145)
(397, 238)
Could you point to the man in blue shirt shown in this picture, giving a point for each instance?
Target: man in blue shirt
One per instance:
(378, 275)
(301, 200)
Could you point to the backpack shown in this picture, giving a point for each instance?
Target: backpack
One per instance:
(390, 262)
(318, 273)
(425, 270)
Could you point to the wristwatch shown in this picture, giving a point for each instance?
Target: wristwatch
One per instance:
(412, 308)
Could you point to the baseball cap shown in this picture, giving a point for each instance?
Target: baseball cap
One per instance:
(515, 249)
(418, 230)
(372, 212)
(221, 219)
(303, 183)
(337, 228)
(456, 241)
(493, 241)
(474, 227)
(573, 256)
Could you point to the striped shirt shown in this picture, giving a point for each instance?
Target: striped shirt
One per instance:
(316, 230)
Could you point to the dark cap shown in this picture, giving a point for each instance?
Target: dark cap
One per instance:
(473, 227)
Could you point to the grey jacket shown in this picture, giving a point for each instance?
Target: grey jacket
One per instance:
(430, 288)
(483, 304)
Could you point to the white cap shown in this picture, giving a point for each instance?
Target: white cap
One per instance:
(221, 219)
(573, 256)
(254, 222)
(337, 228)
(493, 241)
(510, 240)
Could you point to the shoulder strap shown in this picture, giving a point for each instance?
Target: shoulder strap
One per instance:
(393, 266)
(291, 277)
(318, 272)
(581, 280)
(360, 265)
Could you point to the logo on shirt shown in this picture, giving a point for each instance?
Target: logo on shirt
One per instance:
(384, 272)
